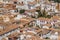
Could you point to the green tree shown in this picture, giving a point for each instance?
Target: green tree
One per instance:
(43, 14)
(22, 11)
(49, 16)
